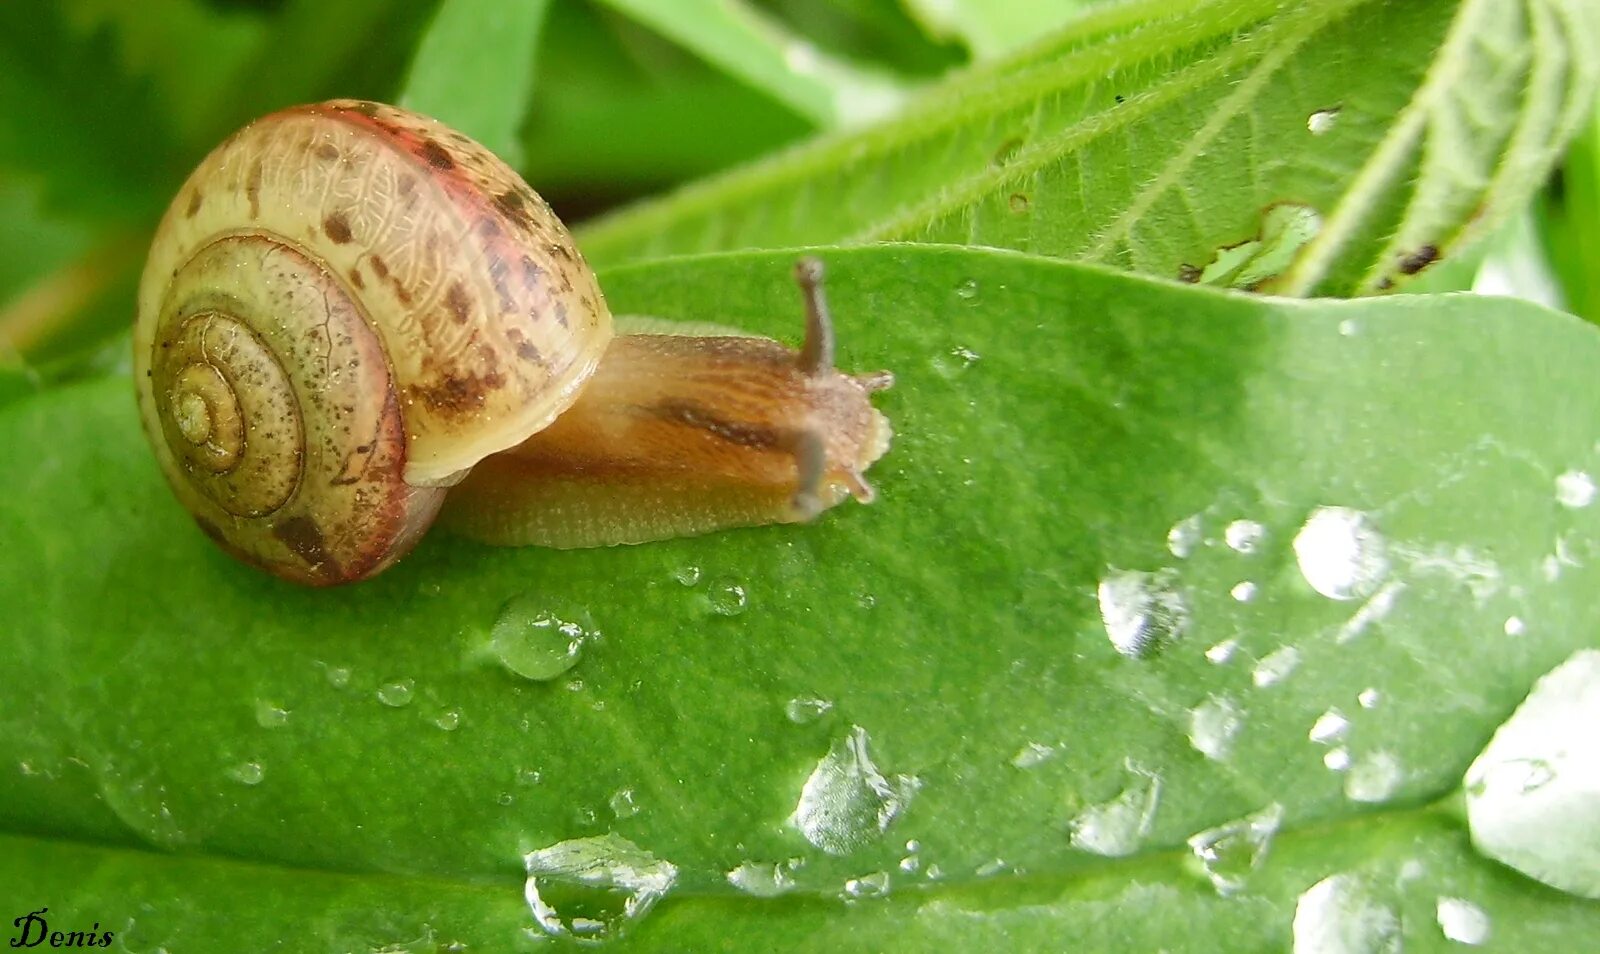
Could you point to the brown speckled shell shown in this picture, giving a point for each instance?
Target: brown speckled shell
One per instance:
(424, 306)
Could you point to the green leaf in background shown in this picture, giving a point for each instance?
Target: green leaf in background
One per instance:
(990, 29)
(748, 44)
(474, 67)
(1569, 220)
(1148, 561)
(1169, 137)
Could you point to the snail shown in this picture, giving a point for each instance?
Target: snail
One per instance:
(353, 316)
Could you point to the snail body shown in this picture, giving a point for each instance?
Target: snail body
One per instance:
(350, 309)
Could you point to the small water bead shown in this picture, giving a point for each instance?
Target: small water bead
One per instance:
(761, 880)
(688, 574)
(531, 642)
(1118, 826)
(1340, 553)
(396, 693)
(623, 804)
(910, 863)
(529, 776)
(934, 873)
(449, 720)
(967, 289)
(1321, 121)
(1369, 698)
(1032, 754)
(338, 676)
(247, 773)
(1373, 777)
(989, 868)
(952, 363)
(1184, 536)
(1515, 626)
(1222, 652)
(1243, 592)
(1212, 726)
(1275, 666)
(1342, 914)
(1349, 328)
(1336, 759)
(505, 799)
(804, 710)
(1229, 853)
(1329, 728)
(1244, 536)
(874, 885)
(1143, 612)
(1373, 610)
(1462, 921)
(269, 715)
(728, 598)
(593, 888)
(847, 802)
(1575, 489)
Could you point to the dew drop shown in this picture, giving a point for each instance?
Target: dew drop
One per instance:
(1222, 652)
(846, 802)
(1329, 728)
(1212, 726)
(338, 676)
(1369, 698)
(594, 888)
(1373, 777)
(1533, 794)
(988, 869)
(1321, 121)
(529, 776)
(396, 693)
(1275, 666)
(1336, 759)
(761, 880)
(804, 710)
(1575, 489)
(449, 720)
(1230, 852)
(1340, 553)
(1244, 536)
(1144, 613)
(1184, 536)
(623, 804)
(728, 598)
(533, 643)
(1462, 921)
(1515, 626)
(910, 864)
(247, 773)
(1032, 754)
(1243, 592)
(967, 290)
(1343, 915)
(269, 715)
(875, 885)
(1118, 826)
(688, 574)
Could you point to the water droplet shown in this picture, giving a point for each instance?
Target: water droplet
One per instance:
(1212, 726)
(910, 863)
(728, 598)
(1340, 553)
(1031, 754)
(688, 574)
(505, 799)
(592, 888)
(1515, 626)
(1349, 327)
(804, 710)
(967, 290)
(1329, 728)
(1118, 826)
(1370, 612)
(1244, 536)
(1275, 666)
(761, 880)
(623, 804)
(875, 885)
(1184, 536)
(1144, 613)
(1343, 915)
(1230, 852)
(846, 802)
(269, 715)
(1243, 592)
(396, 692)
(1373, 777)
(247, 773)
(529, 776)
(338, 676)
(988, 869)
(1222, 652)
(1575, 489)
(1321, 121)
(957, 360)
(1531, 793)
(531, 642)
(866, 601)
(1336, 759)
(449, 720)
(1369, 698)
(934, 873)
(1462, 921)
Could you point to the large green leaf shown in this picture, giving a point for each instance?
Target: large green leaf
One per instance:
(1155, 136)
(1084, 460)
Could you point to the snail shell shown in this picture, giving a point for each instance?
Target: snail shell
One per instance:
(349, 306)
(346, 307)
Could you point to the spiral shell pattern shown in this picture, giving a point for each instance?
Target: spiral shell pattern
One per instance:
(345, 308)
